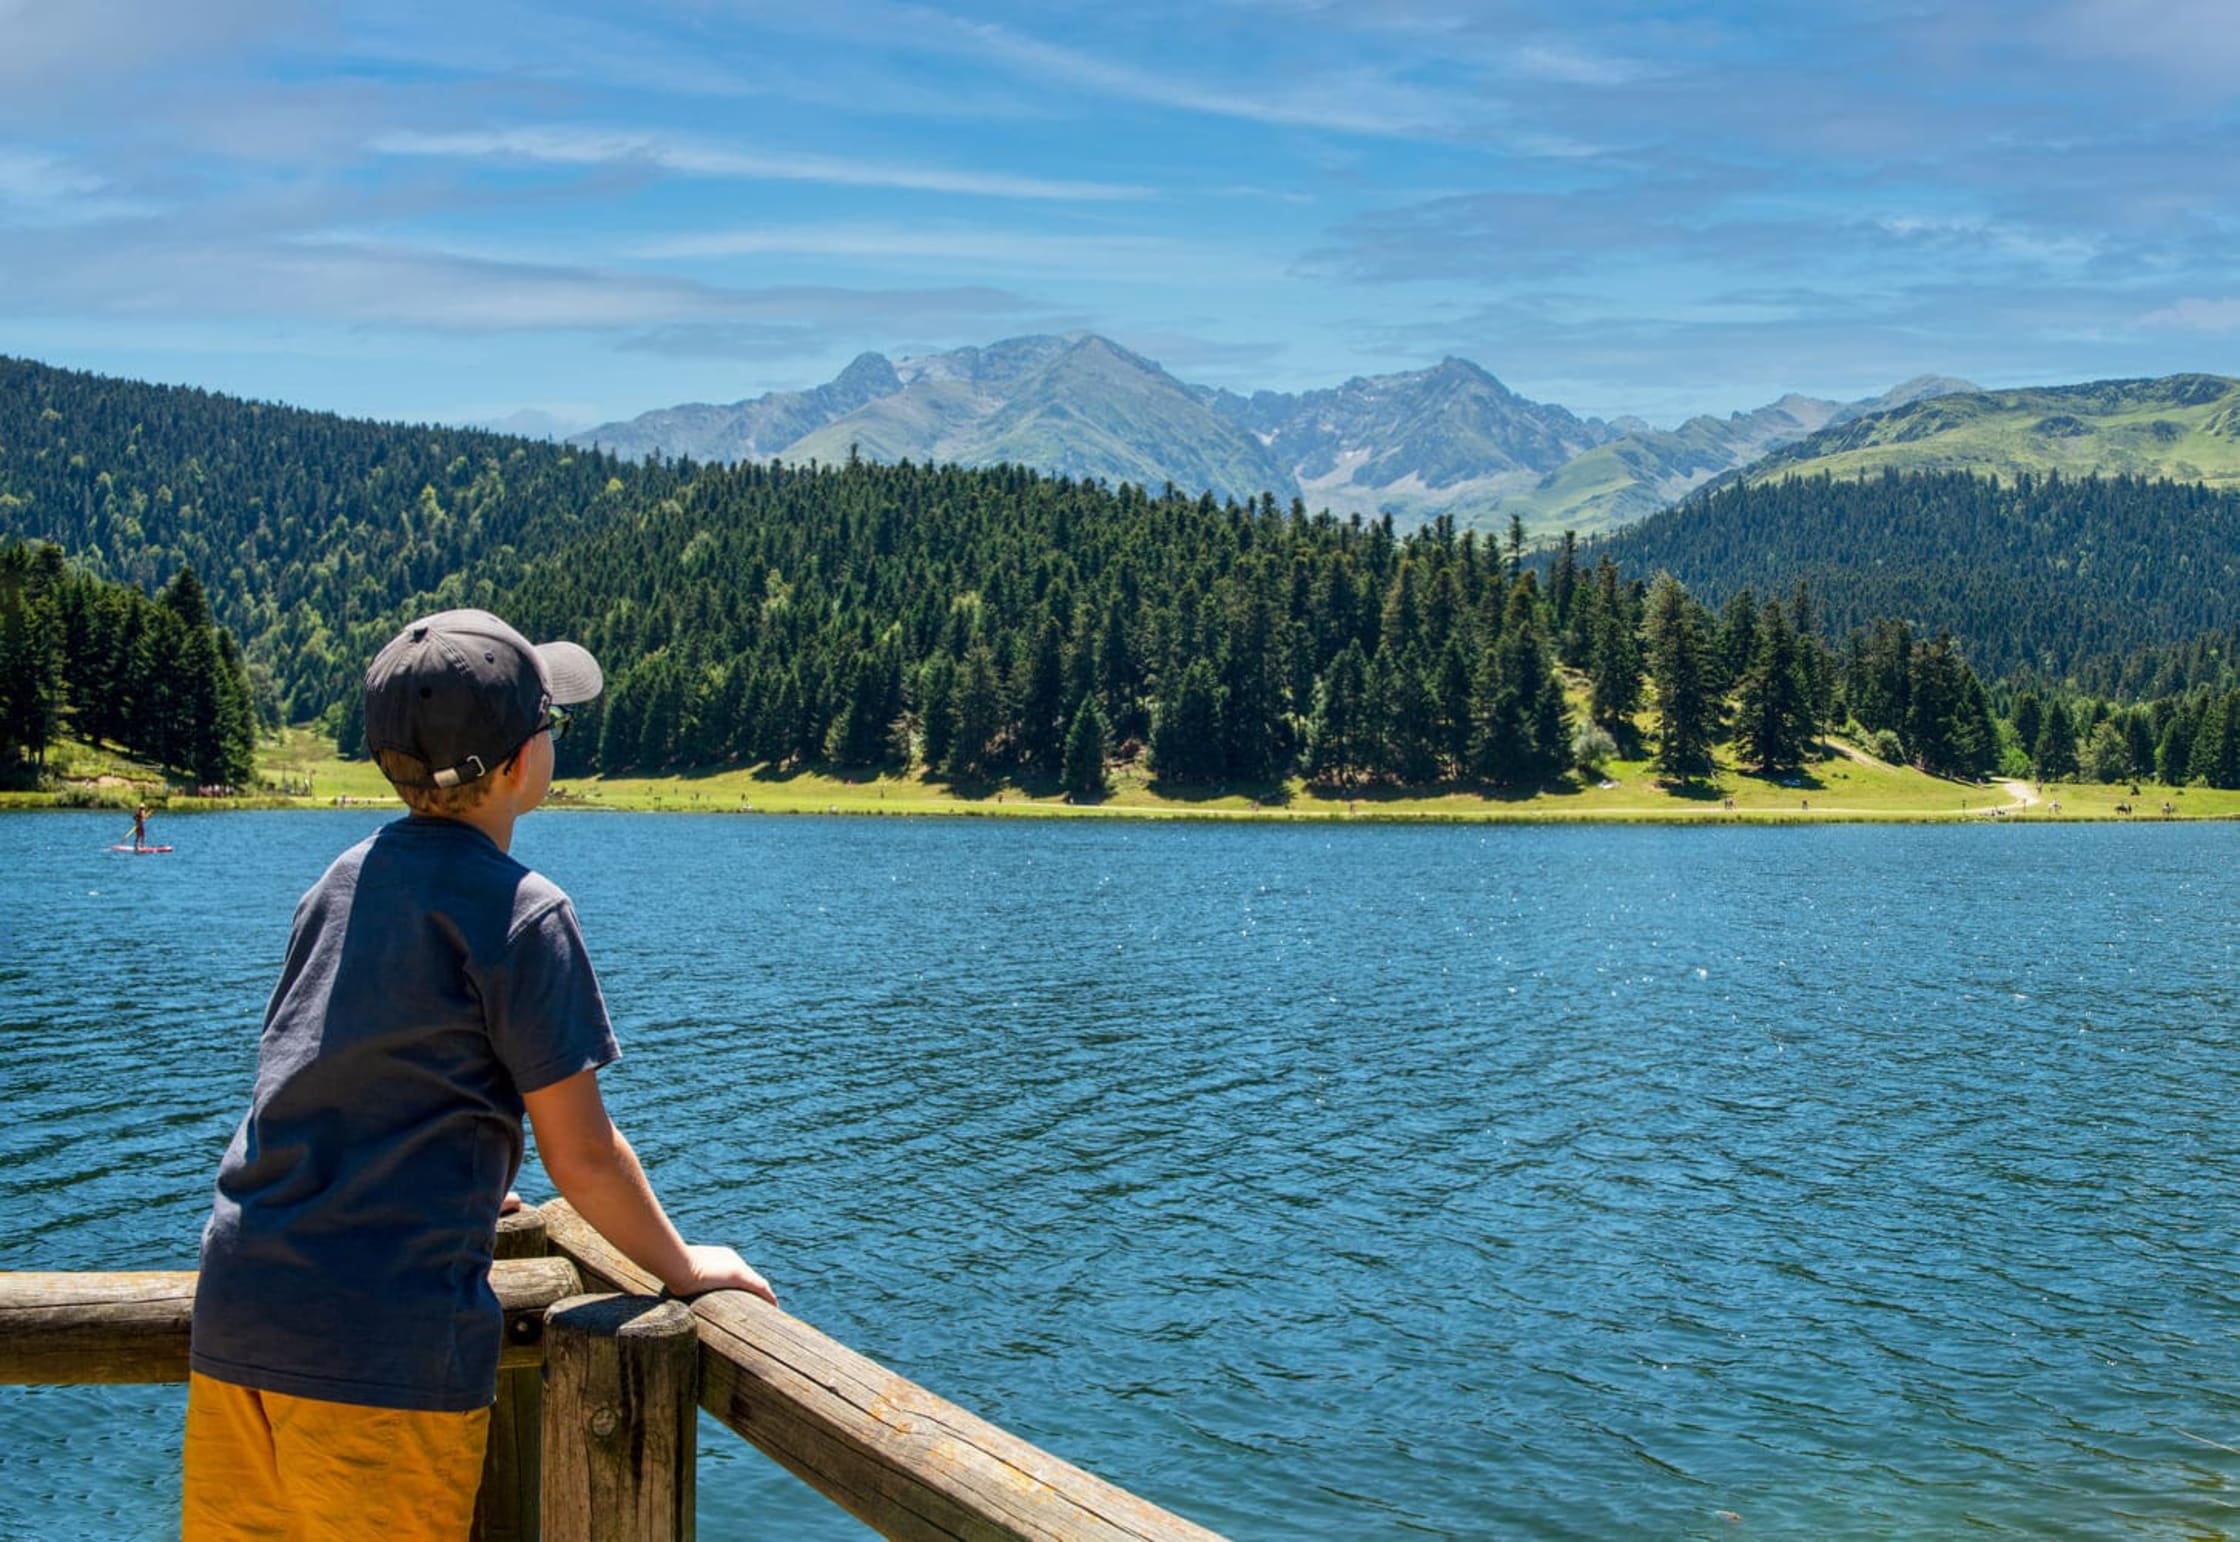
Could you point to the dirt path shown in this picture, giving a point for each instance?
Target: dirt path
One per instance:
(2020, 792)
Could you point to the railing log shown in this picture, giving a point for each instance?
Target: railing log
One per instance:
(505, 1507)
(621, 1392)
(904, 1461)
(85, 1329)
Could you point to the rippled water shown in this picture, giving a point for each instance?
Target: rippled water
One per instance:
(1329, 1182)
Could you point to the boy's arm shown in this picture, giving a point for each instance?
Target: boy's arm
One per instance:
(598, 1173)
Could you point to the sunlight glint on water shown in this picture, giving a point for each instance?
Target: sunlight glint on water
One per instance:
(1314, 1182)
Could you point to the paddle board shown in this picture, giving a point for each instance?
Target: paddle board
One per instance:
(142, 851)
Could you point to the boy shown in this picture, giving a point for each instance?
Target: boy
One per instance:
(345, 1335)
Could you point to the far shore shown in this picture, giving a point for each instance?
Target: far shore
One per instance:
(1846, 787)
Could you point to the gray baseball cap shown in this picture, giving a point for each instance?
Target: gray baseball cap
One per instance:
(460, 691)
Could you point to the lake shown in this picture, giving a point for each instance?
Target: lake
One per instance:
(1334, 1181)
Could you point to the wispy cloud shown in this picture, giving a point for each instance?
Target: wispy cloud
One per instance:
(2196, 315)
(1358, 101)
(2192, 42)
(696, 158)
(61, 51)
(1979, 233)
(1115, 256)
(34, 176)
(39, 188)
(361, 283)
(565, 199)
(1358, 98)
(1570, 64)
(902, 243)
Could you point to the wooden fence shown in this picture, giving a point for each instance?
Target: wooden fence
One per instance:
(599, 1382)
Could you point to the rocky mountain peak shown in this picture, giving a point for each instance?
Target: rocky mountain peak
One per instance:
(867, 377)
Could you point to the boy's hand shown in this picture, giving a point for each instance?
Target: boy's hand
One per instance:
(719, 1268)
(510, 1203)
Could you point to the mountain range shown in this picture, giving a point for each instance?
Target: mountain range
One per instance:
(315, 534)
(1450, 439)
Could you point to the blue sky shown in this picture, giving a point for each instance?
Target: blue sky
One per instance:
(462, 211)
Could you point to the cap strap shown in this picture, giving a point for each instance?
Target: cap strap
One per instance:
(459, 773)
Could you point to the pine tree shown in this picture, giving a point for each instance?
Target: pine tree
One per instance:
(1563, 602)
(2029, 719)
(1255, 727)
(2216, 743)
(1881, 673)
(1119, 679)
(1379, 700)
(1186, 730)
(618, 727)
(1680, 670)
(1411, 717)
(937, 709)
(2054, 756)
(2173, 762)
(30, 678)
(1770, 716)
(1451, 691)
(1402, 624)
(1614, 654)
(1738, 637)
(2138, 743)
(1815, 666)
(858, 735)
(1086, 749)
(185, 598)
(1334, 750)
(1041, 696)
(1523, 737)
(1975, 731)
(979, 710)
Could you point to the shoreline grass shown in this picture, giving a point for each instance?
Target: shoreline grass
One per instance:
(1847, 787)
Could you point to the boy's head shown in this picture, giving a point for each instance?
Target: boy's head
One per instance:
(454, 696)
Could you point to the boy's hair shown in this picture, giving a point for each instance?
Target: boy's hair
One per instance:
(408, 774)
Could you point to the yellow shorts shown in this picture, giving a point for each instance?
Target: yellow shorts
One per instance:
(263, 1464)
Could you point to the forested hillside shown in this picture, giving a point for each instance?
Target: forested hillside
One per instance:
(156, 678)
(312, 533)
(994, 623)
(2044, 573)
(999, 623)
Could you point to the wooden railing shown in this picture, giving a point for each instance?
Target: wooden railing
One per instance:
(593, 1434)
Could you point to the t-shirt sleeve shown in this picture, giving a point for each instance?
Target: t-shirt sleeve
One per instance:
(547, 1019)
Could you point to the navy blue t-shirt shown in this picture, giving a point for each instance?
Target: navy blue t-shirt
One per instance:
(431, 980)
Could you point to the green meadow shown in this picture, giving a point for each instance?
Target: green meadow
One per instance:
(1846, 786)
(2181, 428)
(299, 768)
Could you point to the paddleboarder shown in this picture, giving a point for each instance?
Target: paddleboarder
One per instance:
(140, 828)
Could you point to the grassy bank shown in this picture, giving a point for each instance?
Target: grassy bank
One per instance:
(1844, 787)
(1847, 786)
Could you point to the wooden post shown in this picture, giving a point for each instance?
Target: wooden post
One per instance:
(505, 1508)
(621, 1401)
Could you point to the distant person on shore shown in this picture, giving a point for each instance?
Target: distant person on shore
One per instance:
(345, 1349)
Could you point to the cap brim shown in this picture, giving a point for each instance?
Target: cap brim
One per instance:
(571, 672)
